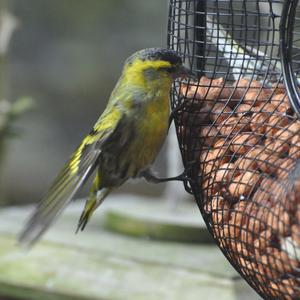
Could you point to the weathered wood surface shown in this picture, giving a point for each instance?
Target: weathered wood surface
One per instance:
(154, 219)
(99, 264)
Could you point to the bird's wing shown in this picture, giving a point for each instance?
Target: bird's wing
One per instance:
(75, 172)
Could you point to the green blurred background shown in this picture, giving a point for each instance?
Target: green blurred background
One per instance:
(67, 56)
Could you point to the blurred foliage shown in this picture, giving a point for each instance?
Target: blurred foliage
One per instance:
(9, 112)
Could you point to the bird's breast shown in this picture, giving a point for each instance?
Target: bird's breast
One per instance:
(138, 142)
(152, 128)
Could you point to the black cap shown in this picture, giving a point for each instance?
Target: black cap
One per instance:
(156, 54)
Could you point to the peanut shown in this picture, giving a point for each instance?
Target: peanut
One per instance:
(294, 151)
(245, 163)
(278, 88)
(243, 142)
(285, 165)
(243, 85)
(208, 135)
(263, 241)
(281, 102)
(220, 112)
(279, 221)
(234, 125)
(243, 109)
(276, 123)
(267, 162)
(286, 289)
(225, 173)
(244, 183)
(295, 229)
(256, 96)
(212, 89)
(259, 122)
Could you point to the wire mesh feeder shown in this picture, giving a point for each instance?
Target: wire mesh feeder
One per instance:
(238, 134)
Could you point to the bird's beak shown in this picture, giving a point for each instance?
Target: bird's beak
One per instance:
(184, 72)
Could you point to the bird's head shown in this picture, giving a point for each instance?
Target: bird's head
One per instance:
(155, 65)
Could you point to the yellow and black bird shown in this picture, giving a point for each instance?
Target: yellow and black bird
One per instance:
(123, 143)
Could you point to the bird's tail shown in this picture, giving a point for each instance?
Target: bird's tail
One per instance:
(67, 183)
(96, 198)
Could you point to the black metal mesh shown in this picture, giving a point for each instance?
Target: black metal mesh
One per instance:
(240, 137)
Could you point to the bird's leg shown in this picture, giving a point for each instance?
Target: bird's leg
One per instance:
(184, 177)
(150, 177)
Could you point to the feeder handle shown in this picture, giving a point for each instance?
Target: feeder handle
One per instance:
(286, 46)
